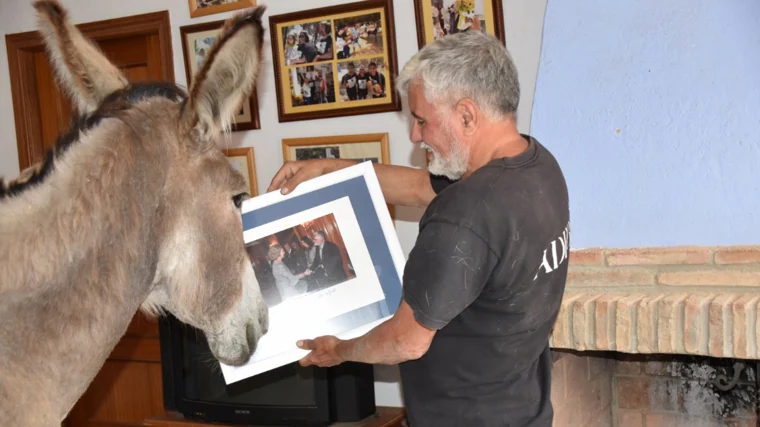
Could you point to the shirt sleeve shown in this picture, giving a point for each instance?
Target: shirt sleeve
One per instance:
(446, 271)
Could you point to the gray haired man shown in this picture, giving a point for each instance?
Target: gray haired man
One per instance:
(484, 281)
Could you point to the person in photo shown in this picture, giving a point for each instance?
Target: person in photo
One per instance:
(483, 284)
(377, 82)
(349, 82)
(289, 285)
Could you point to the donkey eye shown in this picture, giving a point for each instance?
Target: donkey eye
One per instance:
(238, 199)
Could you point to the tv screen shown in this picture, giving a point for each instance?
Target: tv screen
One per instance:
(203, 380)
(290, 395)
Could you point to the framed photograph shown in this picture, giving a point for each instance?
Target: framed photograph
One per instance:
(372, 147)
(437, 18)
(335, 61)
(210, 7)
(243, 161)
(196, 41)
(328, 262)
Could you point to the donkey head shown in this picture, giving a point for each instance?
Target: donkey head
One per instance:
(202, 274)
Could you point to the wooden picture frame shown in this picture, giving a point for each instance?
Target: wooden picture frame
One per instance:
(368, 146)
(242, 159)
(490, 13)
(198, 9)
(308, 84)
(200, 37)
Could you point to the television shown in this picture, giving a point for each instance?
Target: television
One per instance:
(291, 395)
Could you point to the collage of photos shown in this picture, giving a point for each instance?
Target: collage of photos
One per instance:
(333, 61)
(300, 260)
(457, 16)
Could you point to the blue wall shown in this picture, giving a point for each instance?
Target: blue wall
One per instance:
(680, 80)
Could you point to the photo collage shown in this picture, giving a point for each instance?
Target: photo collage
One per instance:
(335, 60)
(457, 16)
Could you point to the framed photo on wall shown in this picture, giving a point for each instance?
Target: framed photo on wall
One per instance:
(243, 161)
(335, 61)
(343, 272)
(372, 147)
(210, 7)
(196, 41)
(438, 18)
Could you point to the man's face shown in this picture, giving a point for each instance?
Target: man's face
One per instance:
(447, 155)
(318, 239)
(372, 70)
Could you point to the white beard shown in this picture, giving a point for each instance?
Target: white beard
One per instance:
(452, 167)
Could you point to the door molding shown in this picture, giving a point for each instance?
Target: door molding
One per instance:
(22, 46)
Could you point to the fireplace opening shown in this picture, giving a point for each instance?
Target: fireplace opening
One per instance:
(604, 388)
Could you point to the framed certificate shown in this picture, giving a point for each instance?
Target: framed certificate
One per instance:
(328, 262)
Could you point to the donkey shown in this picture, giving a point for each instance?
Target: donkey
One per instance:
(136, 208)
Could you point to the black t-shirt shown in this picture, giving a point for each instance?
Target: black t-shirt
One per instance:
(351, 84)
(488, 271)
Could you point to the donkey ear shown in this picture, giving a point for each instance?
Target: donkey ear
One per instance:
(227, 75)
(83, 70)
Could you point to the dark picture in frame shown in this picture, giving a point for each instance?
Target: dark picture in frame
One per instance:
(438, 18)
(196, 41)
(335, 61)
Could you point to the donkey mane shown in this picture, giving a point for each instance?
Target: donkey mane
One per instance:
(113, 106)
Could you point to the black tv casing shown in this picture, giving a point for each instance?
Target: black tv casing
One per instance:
(344, 393)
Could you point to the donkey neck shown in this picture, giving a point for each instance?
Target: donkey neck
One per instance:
(77, 258)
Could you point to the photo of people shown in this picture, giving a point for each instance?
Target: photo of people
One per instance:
(300, 260)
(362, 79)
(455, 16)
(318, 153)
(312, 84)
(358, 35)
(201, 47)
(307, 43)
(207, 3)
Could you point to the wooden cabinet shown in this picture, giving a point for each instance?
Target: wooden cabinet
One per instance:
(384, 417)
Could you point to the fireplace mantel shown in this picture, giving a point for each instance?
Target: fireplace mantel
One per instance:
(675, 300)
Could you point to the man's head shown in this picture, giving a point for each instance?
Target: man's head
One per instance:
(351, 68)
(458, 86)
(372, 68)
(319, 238)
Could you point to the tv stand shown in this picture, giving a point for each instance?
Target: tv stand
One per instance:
(385, 416)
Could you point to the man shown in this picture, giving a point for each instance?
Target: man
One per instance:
(349, 82)
(327, 267)
(484, 281)
(377, 80)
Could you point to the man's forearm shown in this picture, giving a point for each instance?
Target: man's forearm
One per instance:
(379, 346)
(401, 185)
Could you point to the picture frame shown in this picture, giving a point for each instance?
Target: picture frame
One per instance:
(211, 7)
(373, 147)
(490, 14)
(196, 40)
(322, 59)
(352, 286)
(242, 159)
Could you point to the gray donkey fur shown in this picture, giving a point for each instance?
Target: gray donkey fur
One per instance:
(136, 208)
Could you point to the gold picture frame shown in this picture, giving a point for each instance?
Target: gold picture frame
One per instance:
(196, 40)
(374, 147)
(211, 7)
(434, 18)
(319, 55)
(242, 159)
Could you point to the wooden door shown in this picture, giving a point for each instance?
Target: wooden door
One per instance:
(128, 389)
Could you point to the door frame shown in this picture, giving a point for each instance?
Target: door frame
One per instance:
(21, 48)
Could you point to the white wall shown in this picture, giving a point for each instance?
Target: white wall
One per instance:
(523, 24)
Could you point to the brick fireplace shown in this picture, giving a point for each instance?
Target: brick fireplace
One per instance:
(651, 337)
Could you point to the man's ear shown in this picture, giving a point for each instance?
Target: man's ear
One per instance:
(469, 114)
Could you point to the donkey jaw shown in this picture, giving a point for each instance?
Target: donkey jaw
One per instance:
(244, 326)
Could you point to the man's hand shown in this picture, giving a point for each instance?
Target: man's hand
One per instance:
(295, 172)
(323, 352)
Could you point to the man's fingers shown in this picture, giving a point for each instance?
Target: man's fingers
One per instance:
(306, 344)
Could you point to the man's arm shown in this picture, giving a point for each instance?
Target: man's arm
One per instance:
(401, 185)
(397, 340)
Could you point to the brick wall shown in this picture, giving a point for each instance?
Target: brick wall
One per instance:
(582, 389)
(676, 300)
